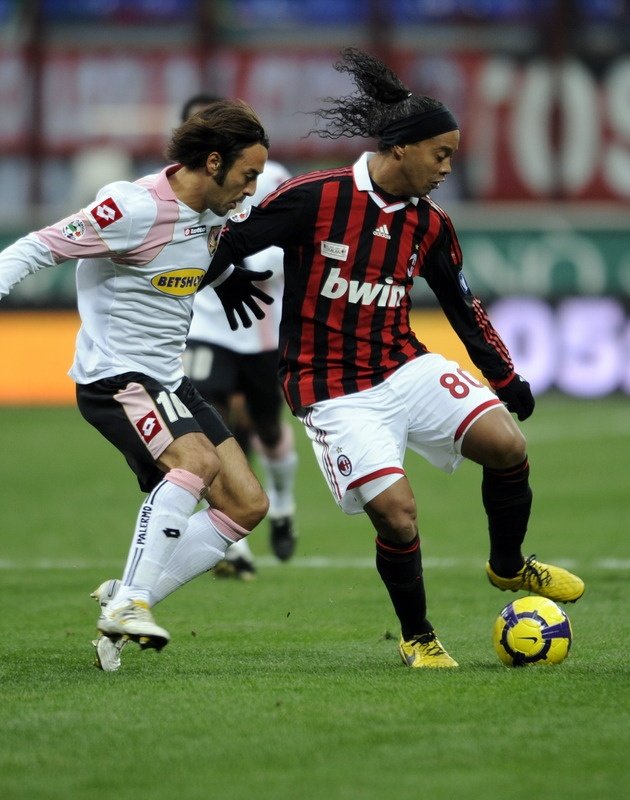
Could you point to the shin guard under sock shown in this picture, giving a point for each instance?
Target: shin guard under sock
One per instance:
(208, 536)
(161, 524)
(507, 498)
(400, 568)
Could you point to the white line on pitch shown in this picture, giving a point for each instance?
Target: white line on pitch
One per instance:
(310, 562)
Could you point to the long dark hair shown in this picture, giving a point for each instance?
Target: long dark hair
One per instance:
(226, 127)
(380, 99)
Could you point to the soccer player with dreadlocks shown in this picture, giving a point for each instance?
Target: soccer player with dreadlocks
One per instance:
(353, 371)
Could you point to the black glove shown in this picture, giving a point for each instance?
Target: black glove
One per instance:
(238, 291)
(517, 396)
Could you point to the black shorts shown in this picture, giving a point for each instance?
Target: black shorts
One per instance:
(218, 372)
(141, 418)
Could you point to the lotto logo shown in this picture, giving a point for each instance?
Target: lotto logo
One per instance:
(196, 231)
(105, 212)
(148, 426)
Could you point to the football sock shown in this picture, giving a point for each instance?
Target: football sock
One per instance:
(240, 549)
(400, 568)
(208, 536)
(161, 524)
(507, 498)
(279, 465)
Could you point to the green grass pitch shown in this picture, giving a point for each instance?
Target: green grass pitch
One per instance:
(290, 686)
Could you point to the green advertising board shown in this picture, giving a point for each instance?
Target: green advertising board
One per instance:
(498, 263)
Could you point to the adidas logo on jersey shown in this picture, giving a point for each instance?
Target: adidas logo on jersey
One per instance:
(382, 231)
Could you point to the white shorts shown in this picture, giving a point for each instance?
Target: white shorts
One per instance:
(360, 439)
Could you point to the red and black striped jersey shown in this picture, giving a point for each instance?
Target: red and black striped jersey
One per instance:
(351, 254)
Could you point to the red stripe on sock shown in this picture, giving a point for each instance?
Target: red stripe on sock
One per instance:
(413, 546)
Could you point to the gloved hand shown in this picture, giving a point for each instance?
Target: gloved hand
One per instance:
(516, 394)
(239, 291)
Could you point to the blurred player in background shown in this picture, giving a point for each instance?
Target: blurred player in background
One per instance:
(238, 374)
(353, 371)
(143, 249)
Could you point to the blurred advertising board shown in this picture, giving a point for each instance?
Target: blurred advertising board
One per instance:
(531, 129)
(579, 346)
(519, 261)
(559, 298)
(538, 142)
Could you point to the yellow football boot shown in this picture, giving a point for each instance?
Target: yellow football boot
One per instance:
(556, 583)
(424, 651)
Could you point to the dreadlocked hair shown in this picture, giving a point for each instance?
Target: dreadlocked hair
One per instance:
(380, 98)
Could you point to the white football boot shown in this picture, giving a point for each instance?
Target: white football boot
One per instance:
(107, 650)
(133, 619)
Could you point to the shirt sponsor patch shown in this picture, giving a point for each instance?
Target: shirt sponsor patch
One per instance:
(105, 213)
(179, 282)
(148, 426)
(73, 230)
(334, 250)
(241, 216)
(195, 231)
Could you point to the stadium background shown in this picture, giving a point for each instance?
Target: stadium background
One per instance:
(289, 686)
(541, 188)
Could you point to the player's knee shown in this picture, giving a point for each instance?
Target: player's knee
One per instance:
(253, 507)
(193, 453)
(518, 448)
(509, 450)
(495, 441)
(397, 522)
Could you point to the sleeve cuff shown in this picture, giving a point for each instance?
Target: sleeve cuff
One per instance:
(222, 277)
(499, 384)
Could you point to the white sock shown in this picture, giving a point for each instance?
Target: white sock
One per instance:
(160, 527)
(208, 536)
(238, 550)
(279, 465)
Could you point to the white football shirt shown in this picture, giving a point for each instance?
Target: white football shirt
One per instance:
(142, 253)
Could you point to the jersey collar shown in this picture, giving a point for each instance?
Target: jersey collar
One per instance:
(162, 186)
(363, 182)
(164, 191)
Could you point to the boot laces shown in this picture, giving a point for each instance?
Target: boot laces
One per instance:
(430, 643)
(534, 573)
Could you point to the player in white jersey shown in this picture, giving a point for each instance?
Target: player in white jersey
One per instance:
(143, 249)
(230, 371)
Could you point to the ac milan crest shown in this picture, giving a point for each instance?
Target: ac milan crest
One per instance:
(344, 465)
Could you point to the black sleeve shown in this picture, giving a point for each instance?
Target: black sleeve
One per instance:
(276, 221)
(465, 313)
